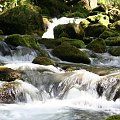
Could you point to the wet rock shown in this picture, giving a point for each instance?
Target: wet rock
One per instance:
(8, 74)
(70, 53)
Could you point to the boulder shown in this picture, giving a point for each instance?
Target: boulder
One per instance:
(43, 61)
(113, 41)
(23, 40)
(94, 30)
(115, 51)
(8, 74)
(98, 45)
(109, 33)
(70, 30)
(24, 19)
(70, 53)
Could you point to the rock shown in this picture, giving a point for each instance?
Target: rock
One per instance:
(115, 51)
(116, 25)
(97, 45)
(84, 23)
(114, 14)
(70, 53)
(43, 61)
(8, 74)
(113, 117)
(23, 40)
(113, 41)
(99, 18)
(109, 33)
(94, 30)
(24, 19)
(70, 30)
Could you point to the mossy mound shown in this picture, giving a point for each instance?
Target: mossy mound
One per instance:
(52, 43)
(70, 30)
(115, 51)
(24, 19)
(43, 61)
(109, 33)
(113, 41)
(23, 40)
(7, 74)
(98, 45)
(70, 53)
(94, 30)
(113, 117)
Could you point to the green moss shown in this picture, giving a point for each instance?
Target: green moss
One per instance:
(94, 30)
(115, 51)
(24, 19)
(23, 40)
(101, 19)
(43, 61)
(70, 30)
(98, 45)
(52, 43)
(84, 23)
(113, 41)
(109, 33)
(113, 117)
(70, 53)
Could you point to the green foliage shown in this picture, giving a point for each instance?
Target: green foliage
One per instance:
(70, 53)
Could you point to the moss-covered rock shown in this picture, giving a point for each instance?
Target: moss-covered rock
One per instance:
(115, 51)
(113, 117)
(1, 32)
(23, 40)
(113, 41)
(70, 53)
(101, 19)
(94, 30)
(109, 33)
(116, 25)
(43, 61)
(114, 14)
(98, 45)
(24, 19)
(52, 43)
(70, 30)
(7, 74)
(84, 23)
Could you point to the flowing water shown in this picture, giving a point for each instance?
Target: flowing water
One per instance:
(50, 93)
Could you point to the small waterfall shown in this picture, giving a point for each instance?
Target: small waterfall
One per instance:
(55, 22)
(18, 91)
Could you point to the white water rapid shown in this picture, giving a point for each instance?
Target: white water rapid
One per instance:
(46, 92)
